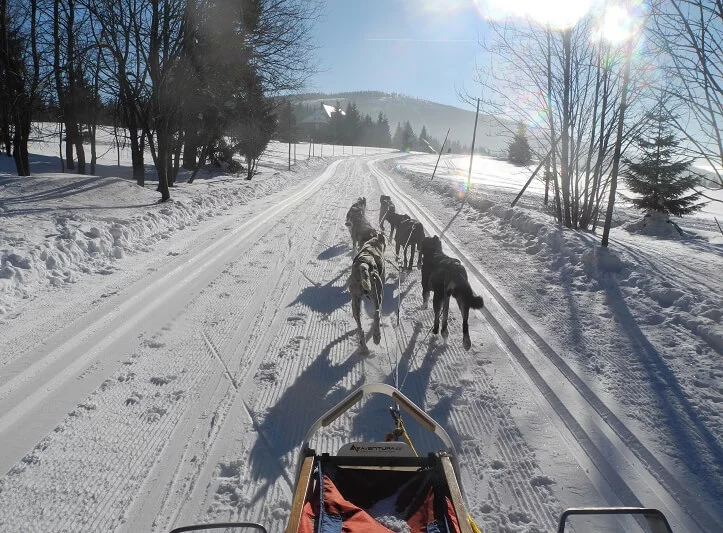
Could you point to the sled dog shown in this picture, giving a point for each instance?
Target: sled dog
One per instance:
(446, 277)
(384, 203)
(360, 229)
(367, 279)
(394, 219)
(410, 234)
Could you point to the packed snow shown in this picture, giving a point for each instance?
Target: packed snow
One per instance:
(161, 363)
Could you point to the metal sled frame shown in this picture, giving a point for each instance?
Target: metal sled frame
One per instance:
(445, 461)
(656, 521)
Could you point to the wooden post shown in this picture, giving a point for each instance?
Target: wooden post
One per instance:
(289, 102)
(441, 151)
(471, 155)
(543, 162)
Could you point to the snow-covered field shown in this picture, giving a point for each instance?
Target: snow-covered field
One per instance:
(160, 364)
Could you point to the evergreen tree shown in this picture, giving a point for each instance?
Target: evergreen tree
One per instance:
(352, 124)
(254, 123)
(424, 144)
(518, 151)
(287, 129)
(660, 178)
(335, 129)
(397, 139)
(408, 139)
(383, 137)
(368, 131)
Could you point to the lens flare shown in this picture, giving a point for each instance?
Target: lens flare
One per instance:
(620, 22)
(557, 14)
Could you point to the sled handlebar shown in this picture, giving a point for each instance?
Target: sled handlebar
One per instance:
(426, 421)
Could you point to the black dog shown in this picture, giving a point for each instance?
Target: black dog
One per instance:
(385, 203)
(394, 219)
(360, 230)
(410, 235)
(446, 277)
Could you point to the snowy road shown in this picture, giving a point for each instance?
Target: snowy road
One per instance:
(183, 388)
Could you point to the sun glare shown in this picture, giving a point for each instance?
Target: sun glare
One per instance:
(618, 24)
(558, 14)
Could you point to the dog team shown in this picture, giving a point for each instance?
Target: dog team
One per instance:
(441, 274)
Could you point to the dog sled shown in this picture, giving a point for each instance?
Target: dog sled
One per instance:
(378, 487)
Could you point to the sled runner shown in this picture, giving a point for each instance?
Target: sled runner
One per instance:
(378, 487)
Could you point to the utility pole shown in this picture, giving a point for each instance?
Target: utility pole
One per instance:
(471, 155)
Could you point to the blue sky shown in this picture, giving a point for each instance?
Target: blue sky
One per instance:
(423, 48)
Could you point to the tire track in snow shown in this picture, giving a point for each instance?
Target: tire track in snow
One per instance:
(616, 435)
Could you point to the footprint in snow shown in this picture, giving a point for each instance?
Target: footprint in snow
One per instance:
(162, 380)
(133, 399)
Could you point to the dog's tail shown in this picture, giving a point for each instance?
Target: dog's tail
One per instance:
(366, 283)
(464, 291)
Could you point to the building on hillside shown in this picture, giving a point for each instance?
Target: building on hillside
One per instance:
(314, 126)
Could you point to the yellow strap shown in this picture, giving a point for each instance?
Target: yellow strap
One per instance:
(400, 426)
(403, 430)
(475, 528)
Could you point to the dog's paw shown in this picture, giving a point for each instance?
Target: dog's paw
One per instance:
(445, 334)
(424, 305)
(467, 343)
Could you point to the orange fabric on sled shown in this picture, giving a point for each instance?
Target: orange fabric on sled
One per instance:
(356, 520)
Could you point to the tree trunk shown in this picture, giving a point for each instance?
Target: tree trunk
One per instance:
(137, 162)
(93, 156)
(177, 157)
(79, 151)
(190, 148)
(200, 161)
(21, 135)
(553, 138)
(565, 156)
(618, 142)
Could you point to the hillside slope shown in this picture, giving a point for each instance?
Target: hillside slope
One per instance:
(436, 117)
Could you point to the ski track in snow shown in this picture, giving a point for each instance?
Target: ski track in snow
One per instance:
(198, 410)
(693, 443)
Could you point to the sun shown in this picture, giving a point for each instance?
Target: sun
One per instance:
(619, 24)
(557, 14)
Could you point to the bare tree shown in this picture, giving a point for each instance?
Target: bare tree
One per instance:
(573, 79)
(20, 73)
(689, 36)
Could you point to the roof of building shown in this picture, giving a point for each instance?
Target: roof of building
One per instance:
(321, 115)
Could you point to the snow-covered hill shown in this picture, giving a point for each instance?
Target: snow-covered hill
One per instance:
(436, 117)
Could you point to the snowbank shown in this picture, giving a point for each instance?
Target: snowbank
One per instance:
(57, 228)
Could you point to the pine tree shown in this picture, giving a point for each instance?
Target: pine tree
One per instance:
(660, 178)
(397, 140)
(352, 124)
(335, 127)
(518, 152)
(408, 138)
(383, 135)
